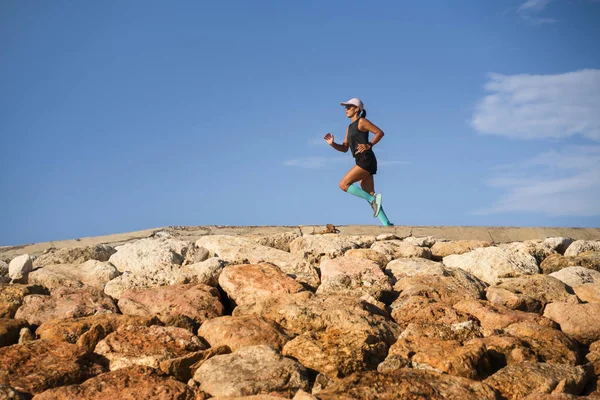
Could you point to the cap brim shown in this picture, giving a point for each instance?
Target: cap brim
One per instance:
(348, 104)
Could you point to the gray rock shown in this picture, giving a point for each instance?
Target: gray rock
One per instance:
(19, 268)
(574, 276)
(581, 246)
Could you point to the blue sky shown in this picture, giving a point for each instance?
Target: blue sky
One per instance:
(124, 115)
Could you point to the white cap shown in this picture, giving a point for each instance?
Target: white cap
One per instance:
(354, 102)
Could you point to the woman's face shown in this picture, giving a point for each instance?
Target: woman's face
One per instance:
(351, 111)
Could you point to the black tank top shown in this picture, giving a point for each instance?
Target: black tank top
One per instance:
(356, 137)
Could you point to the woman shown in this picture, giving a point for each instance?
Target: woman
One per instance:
(357, 140)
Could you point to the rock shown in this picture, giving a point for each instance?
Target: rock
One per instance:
(519, 380)
(303, 312)
(574, 276)
(443, 249)
(302, 395)
(3, 268)
(578, 321)
(538, 249)
(505, 350)
(551, 346)
(53, 280)
(418, 309)
(406, 384)
(448, 356)
(247, 283)
(81, 330)
(530, 293)
(237, 250)
(546, 396)
(593, 358)
(9, 393)
(238, 332)
(401, 249)
(135, 382)
(556, 262)
(183, 368)
(407, 267)
(353, 276)
(425, 241)
(387, 236)
(581, 246)
(19, 268)
(166, 276)
(152, 254)
(26, 336)
(558, 244)
(494, 317)
(337, 353)
(460, 332)
(206, 272)
(196, 301)
(455, 285)
(147, 345)
(280, 241)
(11, 297)
(588, 292)
(490, 264)
(39, 365)
(381, 259)
(64, 303)
(75, 255)
(92, 272)
(10, 329)
(251, 370)
(330, 245)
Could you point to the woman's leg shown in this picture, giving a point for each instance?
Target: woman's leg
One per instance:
(355, 174)
(368, 185)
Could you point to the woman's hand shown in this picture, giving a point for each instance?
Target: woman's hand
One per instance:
(362, 147)
(329, 138)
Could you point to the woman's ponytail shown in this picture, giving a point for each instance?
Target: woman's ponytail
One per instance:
(363, 114)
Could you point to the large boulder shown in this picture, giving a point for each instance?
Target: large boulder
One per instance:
(407, 267)
(11, 297)
(550, 345)
(519, 380)
(579, 321)
(381, 259)
(401, 249)
(443, 249)
(538, 249)
(147, 345)
(504, 350)
(197, 302)
(168, 275)
(237, 250)
(353, 276)
(407, 384)
(559, 244)
(556, 262)
(53, 280)
(251, 370)
(19, 268)
(588, 292)
(246, 330)
(92, 272)
(135, 382)
(206, 272)
(247, 283)
(581, 246)
(574, 276)
(64, 303)
(419, 309)
(490, 264)
(75, 255)
(39, 365)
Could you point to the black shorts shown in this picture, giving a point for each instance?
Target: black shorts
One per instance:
(366, 160)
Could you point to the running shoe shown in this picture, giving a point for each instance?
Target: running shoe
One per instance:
(376, 205)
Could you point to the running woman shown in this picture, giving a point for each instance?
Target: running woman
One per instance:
(357, 140)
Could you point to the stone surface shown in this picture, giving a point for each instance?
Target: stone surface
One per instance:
(559, 244)
(168, 275)
(588, 292)
(19, 268)
(530, 292)
(53, 280)
(537, 248)
(460, 332)
(196, 301)
(247, 283)
(129, 383)
(490, 264)
(381, 259)
(39, 365)
(353, 276)
(251, 370)
(422, 241)
(581, 246)
(574, 276)
(418, 309)
(247, 330)
(401, 249)
(183, 368)
(519, 380)
(556, 262)
(75, 255)
(328, 245)
(550, 345)
(504, 350)
(3, 268)
(443, 249)
(147, 345)
(578, 321)
(237, 250)
(407, 267)
(92, 272)
(279, 241)
(10, 330)
(11, 297)
(206, 272)
(406, 384)
(64, 303)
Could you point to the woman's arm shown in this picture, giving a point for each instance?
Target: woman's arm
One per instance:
(339, 147)
(366, 125)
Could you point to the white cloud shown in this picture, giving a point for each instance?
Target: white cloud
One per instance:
(541, 106)
(533, 5)
(529, 10)
(562, 182)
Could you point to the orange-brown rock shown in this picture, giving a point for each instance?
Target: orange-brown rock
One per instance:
(130, 383)
(460, 332)
(505, 350)
(248, 283)
(65, 303)
(196, 301)
(519, 380)
(11, 297)
(442, 249)
(410, 384)
(75, 255)
(36, 366)
(556, 262)
(184, 367)
(588, 292)
(579, 321)
(418, 309)
(246, 330)
(147, 345)
(368, 254)
(551, 345)
(10, 330)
